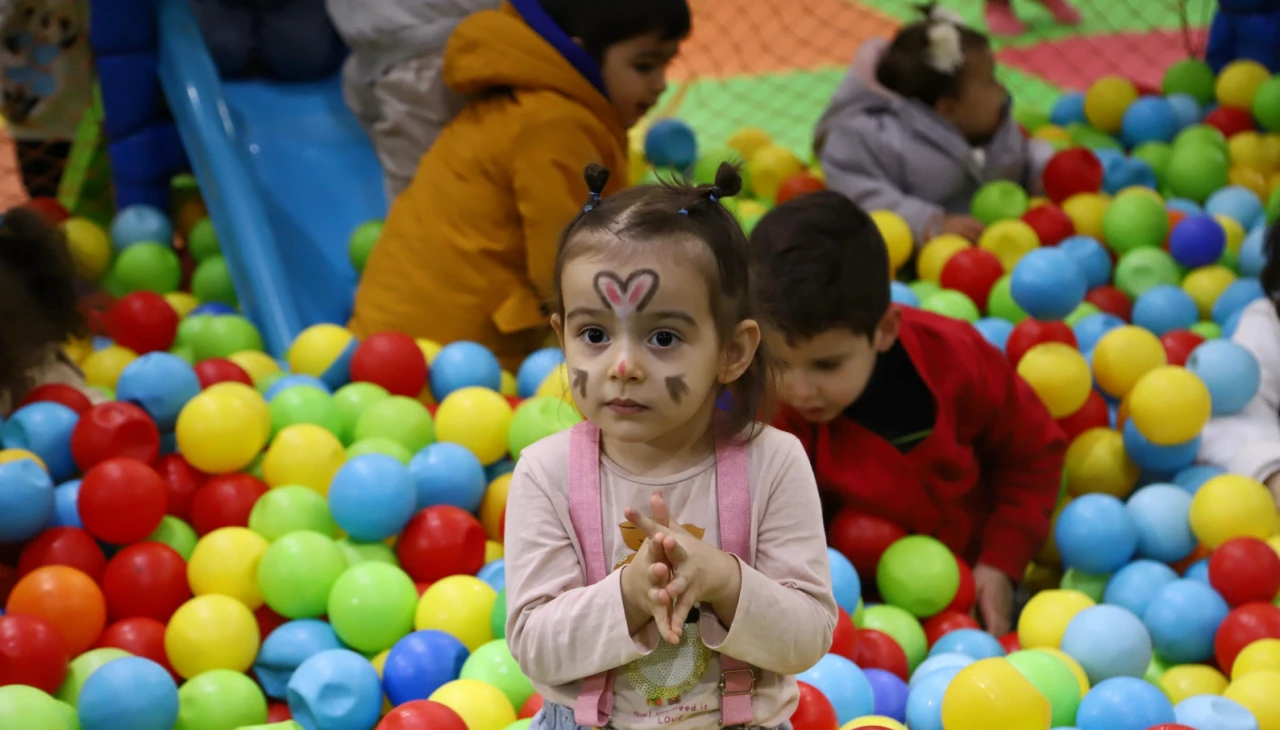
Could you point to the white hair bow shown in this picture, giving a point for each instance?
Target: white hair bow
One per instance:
(945, 54)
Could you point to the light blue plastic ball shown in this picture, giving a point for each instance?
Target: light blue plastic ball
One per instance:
(1096, 534)
(968, 642)
(1047, 284)
(1090, 256)
(336, 690)
(1185, 108)
(44, 429)
(939, 662)
(1194, 476)
(846, 586)
(1149, 119)
(671, 143)
(1229, 371)
(294, 381)
(1092, 327)
(1134, 585)
(286, 648)
(1238, 295)
(1121, 703)
(1198, 570)
(995, 331)
(140, 223)
(26, 500)
(844, 684)
(445, 473)
(1129, 172)
(461, 365)
(160, 384)
(1160, 459)
(1184, 206)
(1238, 203)
(535, 369)
(1161, 513)
(372, 497)
(1253, 252)
(66, 512)
(902, 294)
(1068, 109)
(1183, 618)
(494, 573)
(1165, 308)
(1108, 641)
(1229, 326)
(924, 704)
(1213, 712)
(129, 692)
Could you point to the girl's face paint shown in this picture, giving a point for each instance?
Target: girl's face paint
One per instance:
(676, 388)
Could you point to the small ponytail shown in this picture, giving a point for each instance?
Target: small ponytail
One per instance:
(728, 183)
(597, 176)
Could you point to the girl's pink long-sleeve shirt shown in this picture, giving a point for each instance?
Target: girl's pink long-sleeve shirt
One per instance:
(562, 631)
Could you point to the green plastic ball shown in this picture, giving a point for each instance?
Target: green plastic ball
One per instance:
(211, 282)
(918, 573)
(1197, 171)
(358, 553)
(1273, 206)
(265, 382)
(924, 288)
(1135, 221)
(69, 715)
(1031, 117)
(297, 571)
(224, 335)
(177, 534)
(537, 418)
(1157, 155)
(362, 242)
(520, 724)
(999, 200)
(202, 242)
(902, 627)
(150, 267)
(80, 669)
(372, 605)
(304, 404)
(190, 329)
(1000, 301)
(1207, 330)
(493, 664)
(399, 418)
(1087, 583)
(498, 616)
(380, 445)
(1054, 679)
(290, 508)
(1201, 134)
(1191, 77)
(1082, 310)
(1155, 670)
(951, 303)
(184, 351)
(1144, 268)
(352, 399)
(1266, 104)
(220, 699)
(27, 707)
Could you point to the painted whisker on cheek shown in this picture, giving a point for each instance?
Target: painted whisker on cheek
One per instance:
(676, 388)
(579, 381)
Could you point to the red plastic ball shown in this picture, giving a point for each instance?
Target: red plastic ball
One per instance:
(422, 715)
(268, 621)
(1178, 345)
(32, 652)
(52, 211)
(143, 322)
(972, 271)
(1070, 172)
(218, 370)
(878, 650)
(1170, 726)
(392, 360)
(1010, 642)
(1031, 332)
(1245, 570)
(1243, 626)
(69, 546)
(441, 541)
(278, 712)
(530, 706)
(862, 538)
(799, 184)
(965, 593)
(1050, 223)
(140, 636)
(1111, 300)
(121, 501)
(944, 623)
(1230, 120)
(225, 500)
(815, 711)
(844, 641)
(148, 579)
(110, 430)
(181, 480)
(1093, 414)
(66, 395)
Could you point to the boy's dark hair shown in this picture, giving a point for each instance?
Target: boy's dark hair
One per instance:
(819, 263)
(904, 68)
(601, 23)
(680, 213)
(39, 306)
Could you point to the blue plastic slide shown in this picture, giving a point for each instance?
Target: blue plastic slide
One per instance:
(286, 172)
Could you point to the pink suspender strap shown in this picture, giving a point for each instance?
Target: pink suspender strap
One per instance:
(733, 504)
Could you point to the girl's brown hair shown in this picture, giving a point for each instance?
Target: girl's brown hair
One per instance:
(676, 211)
(904, 68)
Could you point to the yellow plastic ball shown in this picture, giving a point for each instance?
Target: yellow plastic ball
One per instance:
(1238, 82)
(1271, 151)
(1052, 133)
(749, 140)
(493, 505)
(458, 605)
(257, 364)
(936, 253)
(1107, 100)
(637, 164)
(508, 384)
(1261, 655)
(1082, 678)
(478, 419)
(991, 693)
(78, 349)
(1086, 211)
(1170, 405)
(211, 632)
(1248, 177)
(430, 348)
(897, 237)
(1188, 680)
(876, 721)
(1044, 619)
(1235, 232)
(247, 395)
(1009, 240)
(1230, 506)
(556, 384)
(1205, 284)
(480, 705)
(102, 369)
(182, 302)
(1123, 355)
(1059, 374)
(493, 550)
(220, 432)
(303, 454)
(1257, 691)
(379, 661)
(1097, 463)
(1247, 150)
(11, 455)
(771, 166)
(1048, 554)
(90, 247)
(225, 562)
(317, 348)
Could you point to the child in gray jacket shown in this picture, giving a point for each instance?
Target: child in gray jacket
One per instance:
(919, 124)
(393, 81)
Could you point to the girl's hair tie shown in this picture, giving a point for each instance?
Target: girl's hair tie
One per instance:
(597, 176)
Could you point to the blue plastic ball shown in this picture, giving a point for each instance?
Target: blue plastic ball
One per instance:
(1068, 109)
(66, 511)
(1090, 256)
(1183, 617)
(494, 573)
(1134, 585)
(1096, 534)
(26, 500)
(671, 143)
(1238, 295)
(445, 473)
(286, 648)
(845, 583)
(1198, 240)
(1127, 173)
(421, 663)
(1229, 326)
(1092, 327)
(1253, 252)
(213, 308)
(1229, 371)
(1108, 641)
(1160, 459)
(140, 223)
(1162, 513)
(372, 497)
(995, 331)
(1238, 203)
(1212, 712)
(1184, 206)
(1194, 476)
(336, 690)
(1122, 703)
(1165, 308)
(461, 365)
(939, 662)
(293, 381)
(842, 682)
(890, 693)
(1047, 284)
(902, 294)
(1149, 119)
(160, 384)
(129, 692)
(44, 429)
(924, 705)
(1198, 570)
(535, 369)
(1185, 108)
(969, 642)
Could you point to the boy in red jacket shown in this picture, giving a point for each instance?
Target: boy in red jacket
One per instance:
(907, 416)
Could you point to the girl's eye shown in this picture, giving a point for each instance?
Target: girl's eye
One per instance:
(594, 336)
(664, 339)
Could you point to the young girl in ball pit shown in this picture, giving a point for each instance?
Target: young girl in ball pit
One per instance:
(467, 251)
(920, 124)
(665, 567)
